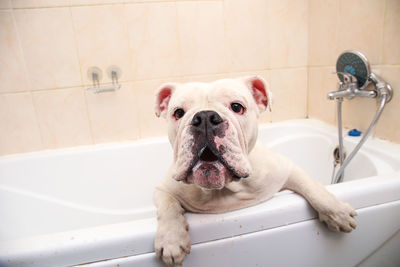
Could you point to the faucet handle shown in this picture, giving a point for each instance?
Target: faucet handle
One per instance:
(347, 77)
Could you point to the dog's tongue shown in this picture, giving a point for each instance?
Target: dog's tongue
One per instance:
(209, 175)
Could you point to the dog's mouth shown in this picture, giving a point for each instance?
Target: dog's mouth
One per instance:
(207, 155)
(209, 170)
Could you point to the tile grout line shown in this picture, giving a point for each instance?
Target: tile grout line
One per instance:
(106, 4)
(81, 77)
(28, 79)
(308, 62)
(134, 93)
(383, 32)
(192, 76)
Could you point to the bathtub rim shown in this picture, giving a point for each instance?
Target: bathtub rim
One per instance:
(119, 240)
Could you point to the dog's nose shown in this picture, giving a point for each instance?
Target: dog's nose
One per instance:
(206, 117)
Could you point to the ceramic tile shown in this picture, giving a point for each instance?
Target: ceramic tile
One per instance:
(145, 93)
(201, 34)
(102, 40)
(12, 71)
(19, 131)
(62, 117)
(113, 115)
(48, 44)
(94, 2)
(289, 87)
(321, 81)
(391, 34)
(39, 3)
(5, 4)
(360, 27)
(152, 32)
(323, 21)
(145, 1)
(287, 23)
(388, 126)
(247, 34)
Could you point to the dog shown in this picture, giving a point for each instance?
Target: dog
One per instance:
(218, 164)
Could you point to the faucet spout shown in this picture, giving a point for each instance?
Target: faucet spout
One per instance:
(352, 92)
(346, 93)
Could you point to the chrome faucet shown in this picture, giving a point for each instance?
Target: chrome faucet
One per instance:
(349, 88)
(354, 73)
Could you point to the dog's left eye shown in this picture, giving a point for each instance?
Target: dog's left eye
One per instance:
(237, 108)
(179, 113)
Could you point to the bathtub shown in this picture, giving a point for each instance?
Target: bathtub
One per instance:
(93, 206)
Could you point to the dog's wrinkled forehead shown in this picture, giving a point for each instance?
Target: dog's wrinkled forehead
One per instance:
(209, 95)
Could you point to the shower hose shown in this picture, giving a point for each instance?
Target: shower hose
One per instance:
(344, 162)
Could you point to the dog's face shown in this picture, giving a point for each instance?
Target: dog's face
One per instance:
(212, 128)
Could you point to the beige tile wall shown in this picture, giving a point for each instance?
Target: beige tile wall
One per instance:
(370, 26)
(46, 48)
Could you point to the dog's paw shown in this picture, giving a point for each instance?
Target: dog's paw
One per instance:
(339, 217)
(172, 243)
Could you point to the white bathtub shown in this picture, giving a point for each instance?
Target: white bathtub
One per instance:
(92, 205)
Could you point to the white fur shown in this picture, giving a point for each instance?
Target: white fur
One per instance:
(269, 172)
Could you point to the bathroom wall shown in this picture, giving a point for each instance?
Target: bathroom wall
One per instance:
(370, 26)
(46, 48)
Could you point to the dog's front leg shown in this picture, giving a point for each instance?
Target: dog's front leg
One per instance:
(172, 241)
(336, 214)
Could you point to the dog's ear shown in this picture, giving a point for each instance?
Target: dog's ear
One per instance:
(260, 90)
(163, 95)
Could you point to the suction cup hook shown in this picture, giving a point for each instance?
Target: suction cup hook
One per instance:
(356, 64)
(114, 73)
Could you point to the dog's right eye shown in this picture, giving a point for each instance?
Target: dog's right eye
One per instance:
(179, 113)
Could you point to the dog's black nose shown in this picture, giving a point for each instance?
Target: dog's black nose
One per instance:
(209, 117)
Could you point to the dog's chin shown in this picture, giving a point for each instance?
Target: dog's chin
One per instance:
(209, 175)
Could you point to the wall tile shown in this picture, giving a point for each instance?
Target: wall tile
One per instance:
(391, 37)
(19, 131)
(39, 3)
(360, 27)
(5, 4)
(323, 22)
(62, 116)
(145, 93)
(289, 88)
(152, 32)
(94, 2)
(388, 125)
(247, 34)
(145, 1)
(287, 22)
(113, 115)
(12, 70)
(102, 40)
(201, 33)
(321, 81)
(48, 44)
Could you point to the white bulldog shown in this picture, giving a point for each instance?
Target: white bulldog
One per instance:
(218, 164)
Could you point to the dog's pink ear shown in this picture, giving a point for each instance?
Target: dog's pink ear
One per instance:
(260, 91)
(163, 95)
